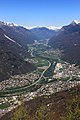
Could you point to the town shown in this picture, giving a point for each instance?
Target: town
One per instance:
(52, 75)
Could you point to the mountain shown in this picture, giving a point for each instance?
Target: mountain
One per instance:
(68, 40)
(43, 32)
(11, 61)
(20, 34)
(48, 27)
(75, 22)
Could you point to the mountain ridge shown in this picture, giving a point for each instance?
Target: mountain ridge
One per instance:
(12, 52)
(68, 40)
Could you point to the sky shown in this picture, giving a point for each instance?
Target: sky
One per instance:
(40, 12)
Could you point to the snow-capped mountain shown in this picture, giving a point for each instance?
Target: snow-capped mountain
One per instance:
(48, 27)
(75, 22)
(68, 40)
(44, 32)
(30, 27)
(13, 48)
(8, 23)
(19, 33)
(54, 27)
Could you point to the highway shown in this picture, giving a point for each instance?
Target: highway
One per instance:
(26, 87)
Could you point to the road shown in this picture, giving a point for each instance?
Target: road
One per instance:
(26, 87)
(43, 72)
(32, 85)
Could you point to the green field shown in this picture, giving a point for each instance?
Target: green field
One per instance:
(4, 105)
(41, 62)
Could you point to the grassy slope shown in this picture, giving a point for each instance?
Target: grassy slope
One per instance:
(57, 103)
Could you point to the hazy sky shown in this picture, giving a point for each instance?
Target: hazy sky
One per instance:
(40, 12)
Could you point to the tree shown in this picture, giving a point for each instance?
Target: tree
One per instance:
(20, 114)
(73, 112)
(43, 113)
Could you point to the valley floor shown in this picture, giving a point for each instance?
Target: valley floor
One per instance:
(51, 76)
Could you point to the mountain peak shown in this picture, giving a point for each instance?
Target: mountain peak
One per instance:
(11, 24)
(53, 27)
(8, 23)
(75, 22)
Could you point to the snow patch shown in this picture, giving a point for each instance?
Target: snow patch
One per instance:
(11, 24)
(48, 27)
(8, 23)
(54, 27)
(12, 40)
(75, 22)
(29, 27)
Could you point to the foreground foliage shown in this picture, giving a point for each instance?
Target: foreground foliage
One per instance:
(20, 114)
(43, 113)
(73, 111)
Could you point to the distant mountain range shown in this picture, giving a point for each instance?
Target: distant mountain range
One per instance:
(43, 32)
(22, 35)
(68, 40)
(13, 47)
(48, 27)
(29, 34)
(14, 40)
